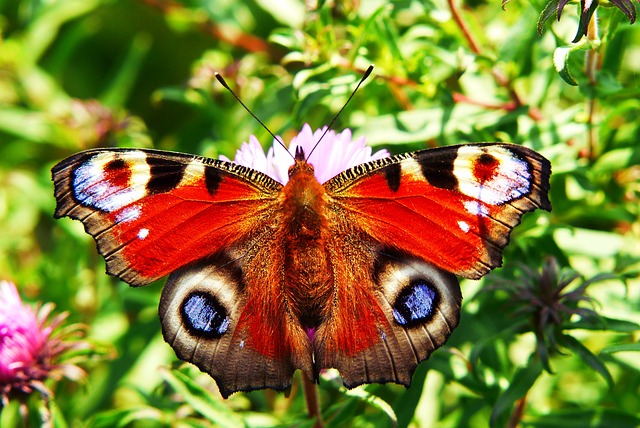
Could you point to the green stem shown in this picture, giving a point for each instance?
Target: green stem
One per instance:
(311, 396)
(591, 66)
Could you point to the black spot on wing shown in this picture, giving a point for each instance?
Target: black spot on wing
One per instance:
(416, 303)
(165, 174)
(204, 316)
(212, 179)
(392, 176)
(487, 159)
(437, 168)
(115, 165)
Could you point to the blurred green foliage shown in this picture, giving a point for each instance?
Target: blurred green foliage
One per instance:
(76, 74)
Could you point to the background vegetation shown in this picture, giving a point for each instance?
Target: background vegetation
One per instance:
(76, 74)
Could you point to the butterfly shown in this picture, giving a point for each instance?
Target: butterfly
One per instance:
(356, 273)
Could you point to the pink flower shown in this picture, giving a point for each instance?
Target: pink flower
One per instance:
(334, 154)
(21, 335)
(32, 348)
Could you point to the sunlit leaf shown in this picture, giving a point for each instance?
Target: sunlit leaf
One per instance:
(202, 400)
(521, 383)
(587, 356)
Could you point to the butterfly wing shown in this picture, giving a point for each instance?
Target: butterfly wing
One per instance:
(453, 207)
(387, 316)
(211, 225)
(152, 212)
(402, 226)
(227, 315)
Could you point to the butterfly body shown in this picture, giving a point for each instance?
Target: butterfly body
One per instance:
(356, 273)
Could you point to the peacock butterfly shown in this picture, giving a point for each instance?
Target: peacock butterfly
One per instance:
(351, 264)
(357, 272)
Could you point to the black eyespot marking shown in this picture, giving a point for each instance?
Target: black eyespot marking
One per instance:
(438, 170)
(416, 303)
(115, 165)
(165, 174)
(487, 159)
(212, 179)
(203, 315)
(392, 176)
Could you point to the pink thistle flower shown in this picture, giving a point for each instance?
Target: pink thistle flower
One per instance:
(336, 153)
(33, 349)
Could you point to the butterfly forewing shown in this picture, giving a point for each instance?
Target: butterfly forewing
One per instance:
(152, 212)
(453, 207)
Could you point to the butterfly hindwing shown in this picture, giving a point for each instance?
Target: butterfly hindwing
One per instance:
(226, 315)
(389, 314)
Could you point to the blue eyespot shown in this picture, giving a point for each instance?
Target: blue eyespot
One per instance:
(204, 315)
(415, 304)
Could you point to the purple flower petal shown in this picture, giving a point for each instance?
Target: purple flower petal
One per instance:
(33, 349)
(334, 154)
(21, 335)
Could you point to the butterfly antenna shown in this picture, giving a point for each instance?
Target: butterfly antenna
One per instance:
(366, 74)
(226, 86)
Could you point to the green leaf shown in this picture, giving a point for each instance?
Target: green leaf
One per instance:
(57, 417)
(363, 395)
(427, 124)
(407, 402)
(288, 12)
(43, 31)
(587, 356)
(202, 400)
(596, 418)
(120, 87)
(549, 10)
(127, 416)
(521, 383)
(604, 324)
(26, 124)
(621, 347)
(617, 160)
(561, 63)
(589, 242)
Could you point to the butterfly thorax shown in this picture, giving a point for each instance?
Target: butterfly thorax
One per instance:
(308, 272)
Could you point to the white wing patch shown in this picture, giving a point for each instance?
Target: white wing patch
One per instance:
(143, 233)
(476, 208)
(128, 214)
(96, 185)
(492, 175)
(464, 226)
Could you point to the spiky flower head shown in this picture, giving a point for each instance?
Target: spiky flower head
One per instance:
(34, 348)
(335, 153)
(551, 300)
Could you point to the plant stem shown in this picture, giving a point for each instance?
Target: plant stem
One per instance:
(591, 66)
(233, 36)
(311, 396)
(497, 74)
(475, 46)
